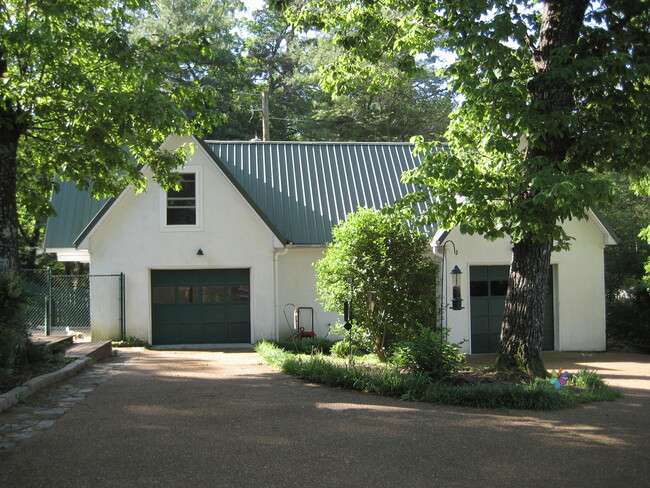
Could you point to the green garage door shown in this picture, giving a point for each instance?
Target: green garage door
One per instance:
(488, 285)
(206, 306)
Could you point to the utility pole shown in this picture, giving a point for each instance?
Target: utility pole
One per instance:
(266, 129)
(266, 125)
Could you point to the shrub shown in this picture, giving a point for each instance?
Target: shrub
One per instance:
(356, 340)
(342, 349)
(381, 267)
(429, 353)
(628, 319)
(13, 331)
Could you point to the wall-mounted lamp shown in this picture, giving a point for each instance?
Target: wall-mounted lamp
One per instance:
(199, 252)
(456, 299)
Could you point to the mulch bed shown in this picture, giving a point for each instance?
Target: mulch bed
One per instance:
(475, 377)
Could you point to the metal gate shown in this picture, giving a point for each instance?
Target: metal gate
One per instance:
(92, 305)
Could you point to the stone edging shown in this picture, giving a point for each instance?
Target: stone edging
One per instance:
(30, 387)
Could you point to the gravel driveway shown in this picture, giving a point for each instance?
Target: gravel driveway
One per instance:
(223, 419)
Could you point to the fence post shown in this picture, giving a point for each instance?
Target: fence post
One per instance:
(48, 303)
(122, 307)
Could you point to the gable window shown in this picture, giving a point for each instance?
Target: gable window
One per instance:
(181, 204)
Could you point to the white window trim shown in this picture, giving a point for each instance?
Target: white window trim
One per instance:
(198, 178)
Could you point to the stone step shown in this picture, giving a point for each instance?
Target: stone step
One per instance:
(95, 350)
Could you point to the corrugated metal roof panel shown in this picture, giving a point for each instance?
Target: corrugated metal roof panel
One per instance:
(74, 211)
(305, 189)
(300, 189)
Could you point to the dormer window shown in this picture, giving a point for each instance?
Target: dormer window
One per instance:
(181, 204)
(181, 210)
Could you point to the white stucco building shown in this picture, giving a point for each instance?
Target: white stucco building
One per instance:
(222, 260)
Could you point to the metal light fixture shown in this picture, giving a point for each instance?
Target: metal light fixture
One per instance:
(456, 299)
(199, 252)
(347, 308)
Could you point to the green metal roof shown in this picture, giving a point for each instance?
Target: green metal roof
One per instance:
(306, 188)
(74, 209)
(300, 189)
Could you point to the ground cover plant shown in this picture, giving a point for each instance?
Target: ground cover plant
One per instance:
(36, 359)
(480, 388)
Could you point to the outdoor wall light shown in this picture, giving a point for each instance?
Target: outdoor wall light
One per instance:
(456, 299)
(199, 252)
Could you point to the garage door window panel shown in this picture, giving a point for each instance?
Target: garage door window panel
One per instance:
(189, 294)
(238, 293)
(214, 293)
(164, 294)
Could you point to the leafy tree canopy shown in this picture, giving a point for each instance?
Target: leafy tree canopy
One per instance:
(84, 99)
(520, 163)
(416, 103)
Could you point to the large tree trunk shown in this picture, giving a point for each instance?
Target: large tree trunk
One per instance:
(551, 97)
(9, 261)
(10, 131)
(523, 320)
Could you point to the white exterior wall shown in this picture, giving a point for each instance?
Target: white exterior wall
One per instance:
(130, 239)
(578, 288)
(297, 285)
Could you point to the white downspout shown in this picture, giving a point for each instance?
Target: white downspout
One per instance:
(276, 254)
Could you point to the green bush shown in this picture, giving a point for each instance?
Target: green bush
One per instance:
(357, 340)
(429, 353)
(341, 349)
(382, 269)
(628, 319)
(13, 331)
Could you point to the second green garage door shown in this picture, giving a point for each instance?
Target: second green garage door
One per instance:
(488, 286)
(206, 306)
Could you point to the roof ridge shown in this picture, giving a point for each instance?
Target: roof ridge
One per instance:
(381, 143)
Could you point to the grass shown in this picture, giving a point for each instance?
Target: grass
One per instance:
(583, 387)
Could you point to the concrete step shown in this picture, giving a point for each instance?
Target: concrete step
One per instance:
(95, 350)
(56, 343)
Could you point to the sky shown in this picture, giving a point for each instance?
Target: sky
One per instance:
(253, 5)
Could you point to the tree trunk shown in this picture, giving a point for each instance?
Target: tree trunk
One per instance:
(9, 261)
(523, 319)
(10, 131)
(551, 97)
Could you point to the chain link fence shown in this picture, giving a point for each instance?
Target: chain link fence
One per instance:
(88, 306)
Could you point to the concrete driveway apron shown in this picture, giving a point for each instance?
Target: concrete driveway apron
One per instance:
(224, 419)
